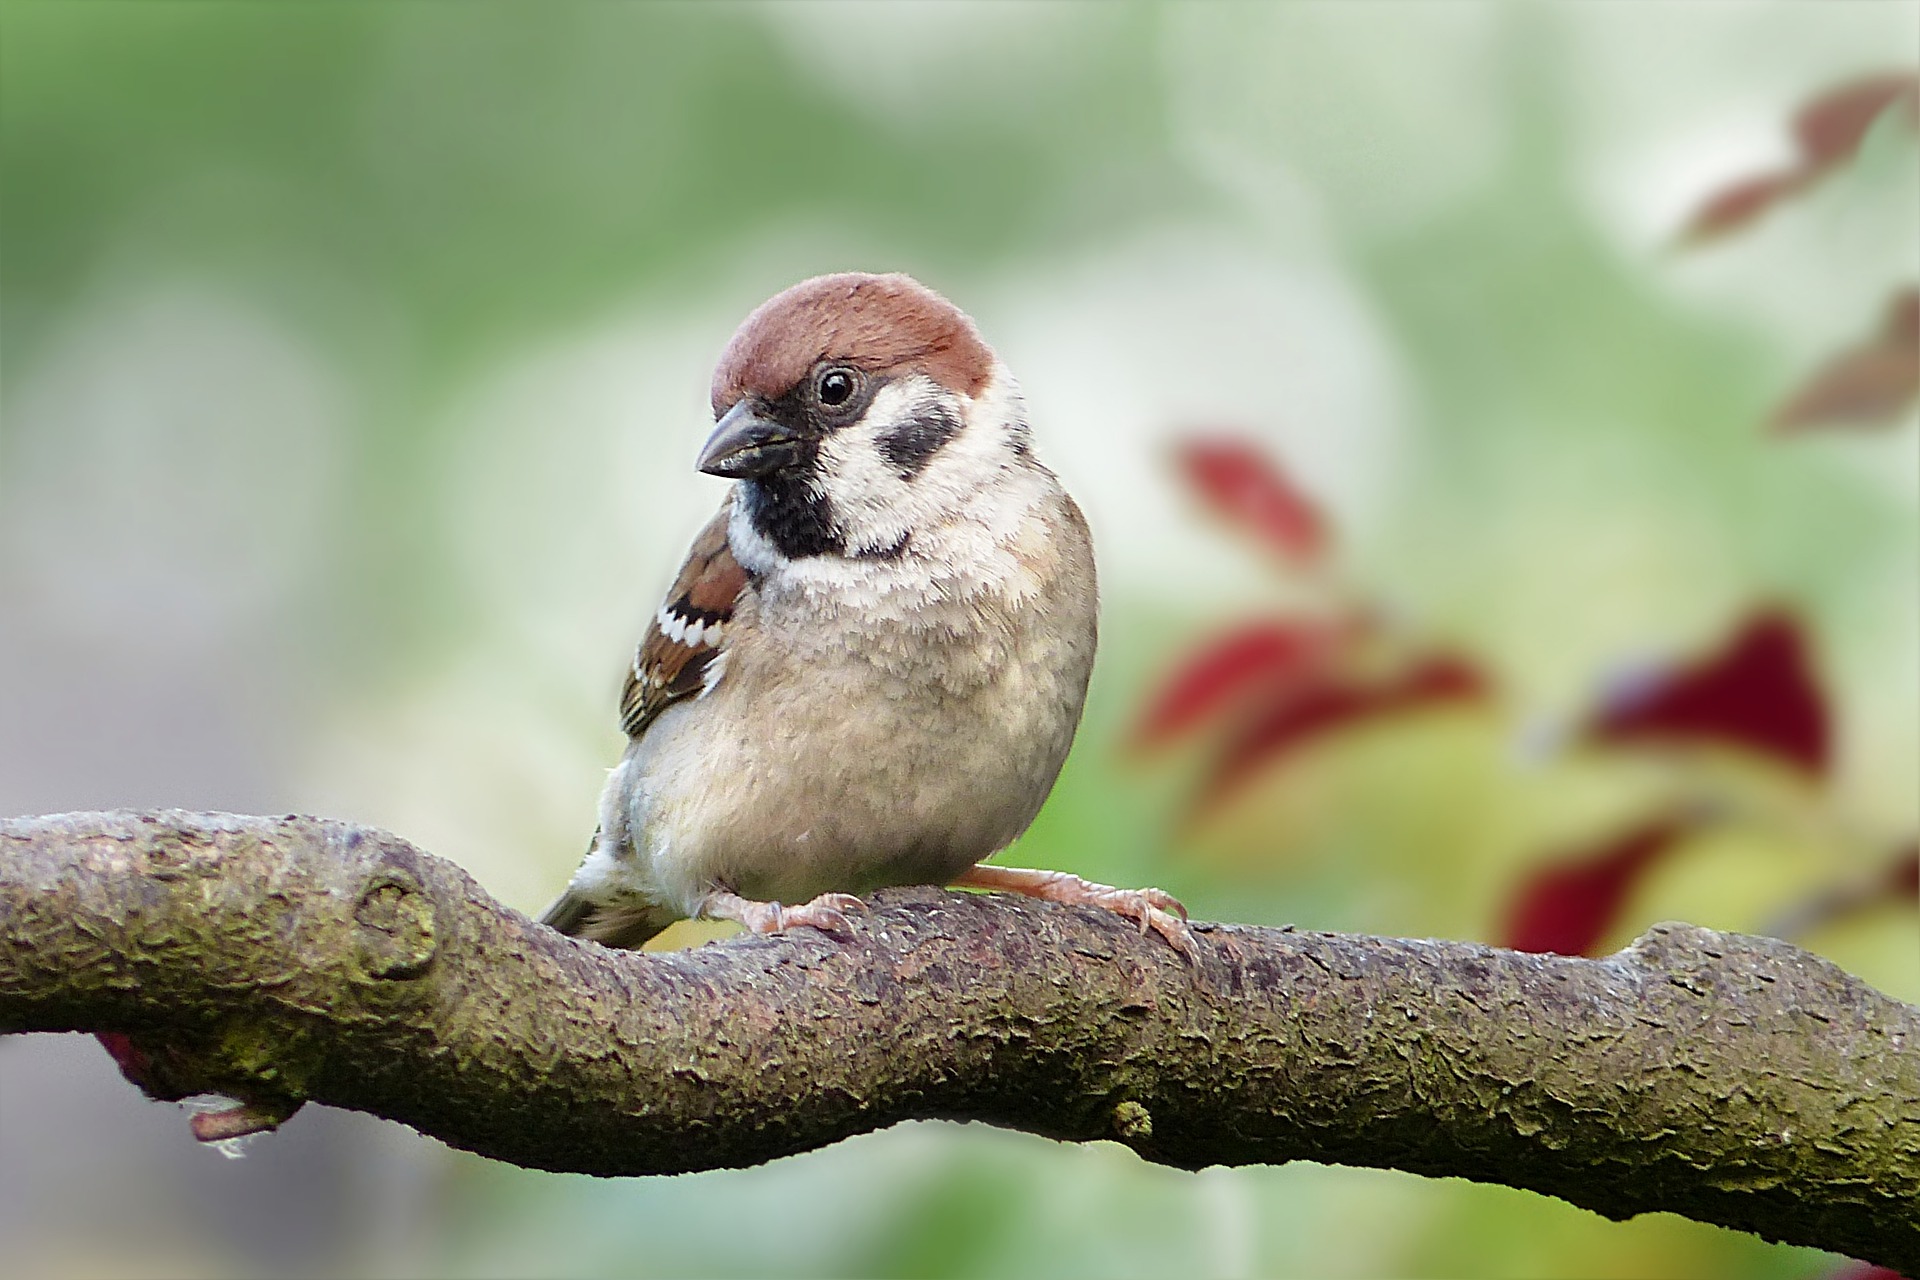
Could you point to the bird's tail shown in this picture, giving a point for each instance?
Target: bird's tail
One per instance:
(625, 924)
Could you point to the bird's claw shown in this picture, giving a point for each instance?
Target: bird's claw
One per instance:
(828, 913)
(1152, 909)
(1155, 910)
(1161, 900)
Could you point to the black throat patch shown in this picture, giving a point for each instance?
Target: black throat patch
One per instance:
(787, 512)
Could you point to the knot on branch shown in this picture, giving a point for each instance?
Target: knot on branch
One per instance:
(395, 937)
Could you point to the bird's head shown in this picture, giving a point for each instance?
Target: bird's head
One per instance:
(858, 408)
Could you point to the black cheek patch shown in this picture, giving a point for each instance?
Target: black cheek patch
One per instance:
(912, 444)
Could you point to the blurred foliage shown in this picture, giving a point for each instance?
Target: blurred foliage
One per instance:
(354, 358)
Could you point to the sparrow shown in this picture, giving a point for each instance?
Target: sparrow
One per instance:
(873, 662)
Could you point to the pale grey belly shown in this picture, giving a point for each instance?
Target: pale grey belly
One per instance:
(839, 789)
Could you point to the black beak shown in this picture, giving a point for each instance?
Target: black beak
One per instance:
(745, 445)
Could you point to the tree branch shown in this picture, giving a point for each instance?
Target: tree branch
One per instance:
(1730, 1079)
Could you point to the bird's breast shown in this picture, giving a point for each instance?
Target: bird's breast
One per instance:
(849, 753)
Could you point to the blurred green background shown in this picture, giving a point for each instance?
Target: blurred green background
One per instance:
(354, 361)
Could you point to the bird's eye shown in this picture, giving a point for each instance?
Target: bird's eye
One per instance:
(836, 387)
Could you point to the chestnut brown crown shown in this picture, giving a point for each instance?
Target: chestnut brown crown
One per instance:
(873, 322)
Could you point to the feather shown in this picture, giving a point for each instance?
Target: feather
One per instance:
(624, 924)
(681, 655)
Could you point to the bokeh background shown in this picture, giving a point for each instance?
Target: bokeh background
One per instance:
(354, 361)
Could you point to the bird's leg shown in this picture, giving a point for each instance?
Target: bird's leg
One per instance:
(1153, 909)
(826, 912)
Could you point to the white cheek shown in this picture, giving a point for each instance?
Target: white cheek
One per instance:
(873, 505)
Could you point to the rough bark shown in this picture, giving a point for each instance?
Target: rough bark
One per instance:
(1731, 1079)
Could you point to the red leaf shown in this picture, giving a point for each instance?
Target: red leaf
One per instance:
(1827, 131)
(1231, 669)
(1872, 383)
(1830, 128)
(1735, 205)
(1568, 906)
(1240, 483)
(1311, 712)
(1758, 693)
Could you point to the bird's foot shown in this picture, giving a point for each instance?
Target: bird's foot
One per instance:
(828, 912)
(1151, 908)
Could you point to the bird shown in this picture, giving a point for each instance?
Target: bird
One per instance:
(873, 662)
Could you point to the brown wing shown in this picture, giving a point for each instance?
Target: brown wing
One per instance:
(681, 654)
